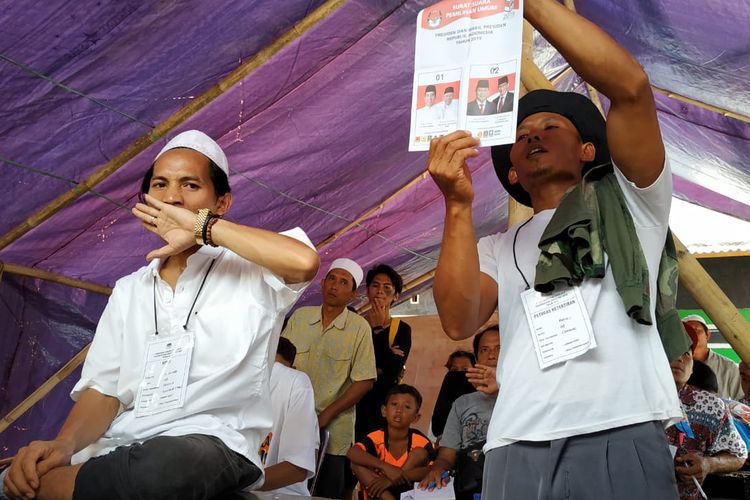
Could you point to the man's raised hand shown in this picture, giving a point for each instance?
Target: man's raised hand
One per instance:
(448, 168)
(175, 225)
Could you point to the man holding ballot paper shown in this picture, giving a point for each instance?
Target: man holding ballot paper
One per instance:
(586, 388)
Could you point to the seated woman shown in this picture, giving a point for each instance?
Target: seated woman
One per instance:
(707, 442)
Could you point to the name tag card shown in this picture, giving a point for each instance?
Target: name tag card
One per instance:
(165, 375)
(559, 324)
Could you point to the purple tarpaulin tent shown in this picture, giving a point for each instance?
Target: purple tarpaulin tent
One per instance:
(316, 135)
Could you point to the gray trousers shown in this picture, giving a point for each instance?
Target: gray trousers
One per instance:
(616, 464)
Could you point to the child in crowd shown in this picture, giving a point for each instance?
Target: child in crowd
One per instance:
(388, 461)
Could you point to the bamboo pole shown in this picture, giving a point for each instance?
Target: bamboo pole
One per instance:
(172, 121)
(562, 75)
(593, 93)
(71, 365)
(714, 302)
(420, 280)
(44, 389)
(518, 212)
(30, 272)
(709, 107)
(408, 286)
(358, 220)
(532, 77)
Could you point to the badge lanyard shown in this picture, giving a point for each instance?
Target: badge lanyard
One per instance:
(200, 289)
(558, 321)
(515, 260)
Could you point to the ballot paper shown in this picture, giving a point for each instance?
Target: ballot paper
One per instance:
(467, 68)
(445, 493)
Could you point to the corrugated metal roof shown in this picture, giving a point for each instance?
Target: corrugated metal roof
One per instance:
(705, 231)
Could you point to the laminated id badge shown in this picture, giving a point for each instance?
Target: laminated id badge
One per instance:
(165, 374)
(559, 323)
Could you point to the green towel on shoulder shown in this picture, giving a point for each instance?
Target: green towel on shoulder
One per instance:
(593, 219)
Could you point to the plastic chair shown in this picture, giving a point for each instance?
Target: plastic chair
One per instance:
(313, 481)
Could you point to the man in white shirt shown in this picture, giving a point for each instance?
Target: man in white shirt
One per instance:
(428, 114)
(448, 107)
(295, 435)
(181, 350)
(589, 423)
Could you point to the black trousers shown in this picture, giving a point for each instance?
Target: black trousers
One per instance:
(185, 467)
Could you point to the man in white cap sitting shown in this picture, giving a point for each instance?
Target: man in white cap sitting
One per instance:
(726, 370)
(334, 348)
(173, 400)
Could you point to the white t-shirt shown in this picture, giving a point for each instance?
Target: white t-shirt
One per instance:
(625, 380)
(296, 435)
(236, 322)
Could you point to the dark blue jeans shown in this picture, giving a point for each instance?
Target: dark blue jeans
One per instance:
(185, 467)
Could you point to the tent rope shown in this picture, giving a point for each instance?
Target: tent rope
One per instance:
(71, 90)
(63, 179)
(337, 216)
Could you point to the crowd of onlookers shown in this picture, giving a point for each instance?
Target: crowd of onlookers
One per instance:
(339, 371)
(389, 455)
(347, 382)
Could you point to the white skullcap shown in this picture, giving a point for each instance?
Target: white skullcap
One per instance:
(198, 141)
(695, 317)
(350, 266)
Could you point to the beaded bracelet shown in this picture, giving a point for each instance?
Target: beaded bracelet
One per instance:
(201, 219)
(213, 219)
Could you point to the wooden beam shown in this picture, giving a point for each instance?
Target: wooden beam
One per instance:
(31, 272)
(173, 121)
(44, 389)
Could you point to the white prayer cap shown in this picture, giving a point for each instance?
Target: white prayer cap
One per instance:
(695, 317)
(350, 266)
(198, 141)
